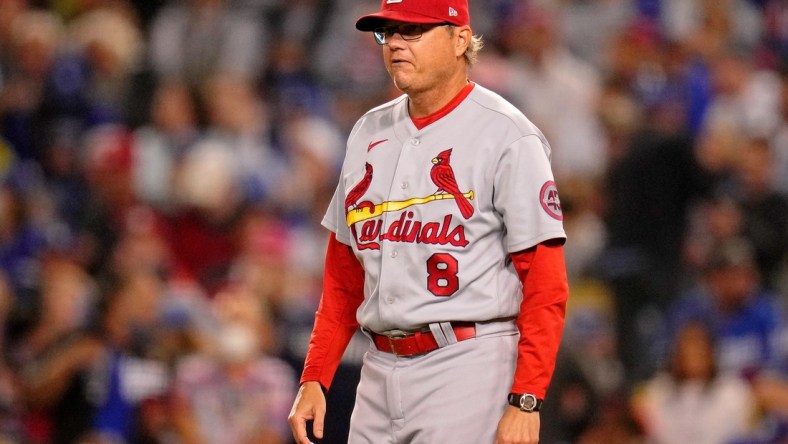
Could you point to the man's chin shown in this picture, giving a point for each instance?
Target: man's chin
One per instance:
(401, 80)
(402, 85)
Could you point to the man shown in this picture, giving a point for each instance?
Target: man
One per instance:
(446, 243)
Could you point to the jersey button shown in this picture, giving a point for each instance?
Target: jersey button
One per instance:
(403, 185)
(390, 300)
(415, 141)
(394, 253)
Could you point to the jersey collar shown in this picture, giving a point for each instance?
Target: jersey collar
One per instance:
(421, 122)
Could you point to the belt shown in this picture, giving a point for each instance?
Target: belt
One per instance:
(412, 344)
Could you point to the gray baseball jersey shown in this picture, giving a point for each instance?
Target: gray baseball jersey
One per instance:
(432, 214)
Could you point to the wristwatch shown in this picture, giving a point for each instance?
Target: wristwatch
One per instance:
(525, 402)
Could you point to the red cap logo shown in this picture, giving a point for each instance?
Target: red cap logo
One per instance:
(417, 11)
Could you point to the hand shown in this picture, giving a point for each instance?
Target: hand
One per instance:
(310, 404)
(518, 427)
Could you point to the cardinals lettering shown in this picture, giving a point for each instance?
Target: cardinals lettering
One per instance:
(405, 229)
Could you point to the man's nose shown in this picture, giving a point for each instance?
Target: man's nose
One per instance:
(395, 40)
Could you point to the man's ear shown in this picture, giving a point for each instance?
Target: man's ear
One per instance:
(464, 35)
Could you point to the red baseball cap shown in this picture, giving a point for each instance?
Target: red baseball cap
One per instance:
(417, 11)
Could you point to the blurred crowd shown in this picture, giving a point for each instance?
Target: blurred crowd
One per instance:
(165, 164)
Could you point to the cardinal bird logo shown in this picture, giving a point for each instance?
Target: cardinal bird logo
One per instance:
(351, 200)
(359, 189)
(442, 175)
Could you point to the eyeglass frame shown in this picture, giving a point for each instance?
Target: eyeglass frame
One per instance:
(383, 33)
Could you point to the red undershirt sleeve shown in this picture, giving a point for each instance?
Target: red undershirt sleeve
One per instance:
(335, 320)
(542, 272)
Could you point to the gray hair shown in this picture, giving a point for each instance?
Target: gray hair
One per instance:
(472, 51)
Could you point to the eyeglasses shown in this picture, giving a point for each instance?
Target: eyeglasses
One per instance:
(408, 31)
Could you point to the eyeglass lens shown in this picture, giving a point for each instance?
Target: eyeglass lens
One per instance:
(408, 32)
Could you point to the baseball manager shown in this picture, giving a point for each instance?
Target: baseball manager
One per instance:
(446, 249)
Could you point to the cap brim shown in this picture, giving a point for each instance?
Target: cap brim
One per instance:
(369, 22)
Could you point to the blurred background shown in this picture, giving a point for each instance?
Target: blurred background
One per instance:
(165, 164)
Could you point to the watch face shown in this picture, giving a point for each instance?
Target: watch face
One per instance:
(527, 402)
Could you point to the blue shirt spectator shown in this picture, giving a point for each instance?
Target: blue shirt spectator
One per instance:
(743, 316)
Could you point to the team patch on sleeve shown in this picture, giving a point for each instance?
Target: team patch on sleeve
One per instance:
(548, 196)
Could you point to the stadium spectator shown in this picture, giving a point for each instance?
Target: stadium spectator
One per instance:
(690, 401)
(234, 392)
(743, 316)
